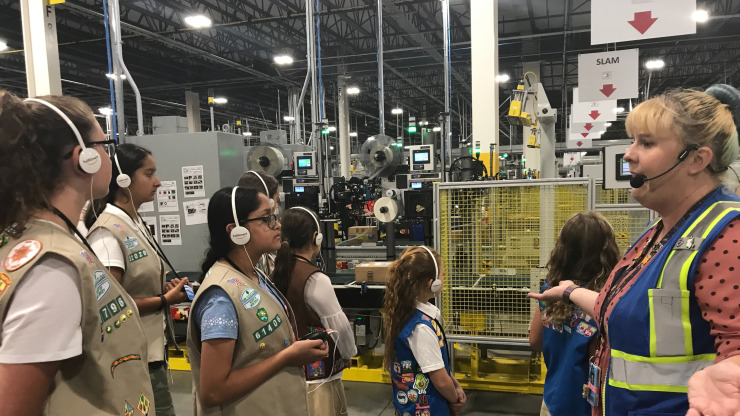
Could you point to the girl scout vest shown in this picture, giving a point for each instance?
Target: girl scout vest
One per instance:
(110, 376)
(307, 321)
(264, 330)
(143, 277)
(663, 339)
(413, 391)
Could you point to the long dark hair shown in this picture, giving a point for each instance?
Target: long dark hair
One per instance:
(251, 181)
(131, 157)
(298, 229)
(586, 252)
(220, 215)
(34, 141)
(409, 276)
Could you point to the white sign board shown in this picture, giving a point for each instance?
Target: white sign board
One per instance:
(576, 142)
(572, 159)
(593, 111)
(167, 197)
(170, 233)
(193, 181)
(625, 20)
(608, 75)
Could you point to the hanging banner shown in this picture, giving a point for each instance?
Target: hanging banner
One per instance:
(626, 20)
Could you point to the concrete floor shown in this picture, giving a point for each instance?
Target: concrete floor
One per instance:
(372, 399)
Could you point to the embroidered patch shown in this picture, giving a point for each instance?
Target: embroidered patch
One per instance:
(423, 401)
(250, 298)
(412, 395)
(4, 283)
(421, 383)
(267, 329)
(315, 370)
(3, 240)
(102, 289)
(396, 367)
(120, 227)
(137, 255)
(131, 242)
(400, 385)
(586, 329)
(422, 413)
(401, 397)
(406, 366)
(87, 257)
(262, 314)
(128, 410)
(406, 414)
(99, 276)
(125, 358)
(144, 403)
(234, 281)
(407, 378)
(21, 254)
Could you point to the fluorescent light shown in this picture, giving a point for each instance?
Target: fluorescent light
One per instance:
(247, 133)
(106, 111)
(701, 16)
(608, 124)
(288, 118)
(331, 147)
(353, 90)
(655, 64)
(113, 76)
(353, 134)
(283, 59)
(502, 78)
(198, 21)
(437, 128)
(397, 111)
(3, 46)
(619, 110)
(332, 128)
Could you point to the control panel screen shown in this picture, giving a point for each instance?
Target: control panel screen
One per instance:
(299, 189)
(623, 168)
(421, 156)
(415, 185)
(304, 162)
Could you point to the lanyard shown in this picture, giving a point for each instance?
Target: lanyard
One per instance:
(73, 229)
(303, 258)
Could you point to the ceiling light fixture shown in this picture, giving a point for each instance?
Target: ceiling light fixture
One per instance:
(106, 111)
(655, 64)
(437, 129)
(502, 78)
(113, 76)
(353, 90)
(283, 59)
(700, 16)
(353, 134)
(198, 21)
(332, 128)
(619, 110)
(3, 46)
(247, 133)
(397, 111)
(220, 100)
(288, 118)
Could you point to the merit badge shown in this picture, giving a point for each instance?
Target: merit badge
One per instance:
(125, 358)
(262, 314)
(128, 410)
(87, 257)
(21, 254)
(315, 370)
(421, 383)
(423, 401)
(250, 298)
(4, 283)
(101, 289)
(267, 329)
(401, 397)
(235, 281)
(144, 403)
(396, 367)
(406, 366)
(120, 227)
(99, 276)
(399, 385)
(131, 242)
(137, 255)
(412, 395)
(407, 378)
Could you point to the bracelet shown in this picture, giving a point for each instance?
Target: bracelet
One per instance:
(163, 302)
(566, 293)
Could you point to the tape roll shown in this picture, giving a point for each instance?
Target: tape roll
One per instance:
(385, 209)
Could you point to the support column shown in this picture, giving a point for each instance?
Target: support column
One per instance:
(484, 50)
(43, 75)
(344, 144)
(192, 108)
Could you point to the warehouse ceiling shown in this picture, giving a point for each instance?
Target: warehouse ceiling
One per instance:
(235, 55)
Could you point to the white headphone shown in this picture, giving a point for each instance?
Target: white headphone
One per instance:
(90, 161)
(436, 284)
(319, 237)
(267, 191)
(239, 235)
(123, 180)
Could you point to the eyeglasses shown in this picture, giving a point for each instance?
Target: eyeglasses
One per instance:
(109, 146)
(269, 220)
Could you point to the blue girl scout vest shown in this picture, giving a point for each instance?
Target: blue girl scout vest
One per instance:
(413, 391)
(661, 338)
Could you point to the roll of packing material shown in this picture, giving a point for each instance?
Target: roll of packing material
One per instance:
(385, 209)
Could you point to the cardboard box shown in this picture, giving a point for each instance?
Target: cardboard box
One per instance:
(373, 272)
(363, 234)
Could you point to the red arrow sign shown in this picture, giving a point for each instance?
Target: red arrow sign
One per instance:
(608, 89)
(595, 114)
(584, 135)
(643, 21)
(589, 126)
(579, 143)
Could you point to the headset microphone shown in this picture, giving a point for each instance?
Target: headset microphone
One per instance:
(436, 284)
(638, 180)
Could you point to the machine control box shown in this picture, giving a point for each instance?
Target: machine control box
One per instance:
(304, 164)
(421, 158)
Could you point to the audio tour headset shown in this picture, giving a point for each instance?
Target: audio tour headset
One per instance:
(267, 191)
(319, 237)
(436, 284)
(90, 161)
(123, 180)
(239, 235)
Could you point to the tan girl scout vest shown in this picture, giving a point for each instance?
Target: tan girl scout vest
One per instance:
(110, 377)
(264, 330)
(144, 277)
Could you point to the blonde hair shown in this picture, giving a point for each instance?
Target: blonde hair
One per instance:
(696, 118)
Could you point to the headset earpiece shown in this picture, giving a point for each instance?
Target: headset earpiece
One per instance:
(267, 191)
(239, 234)
(90, 161)
(123, 180)
(319, 237)
(436, 284)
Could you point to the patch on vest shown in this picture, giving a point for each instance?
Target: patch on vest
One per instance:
(401, 397)
(121, 360)
(120, 227)
(421, 383)
(412, 395)
(144, 403)
(131, 242)
(99, 276)
(250, 298)
(128, 410)
(261, 313)
(407, 378)
(137, 255)
(3, 240)
(396, 367)
(234, 281)
(112, 309)
(406, 366)
(586, 329)
(423, 402)
(101, 289)
(422, 413)
(4, 283)
(267, 329)
(87, 257)
(21, 254)
(315, 370)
